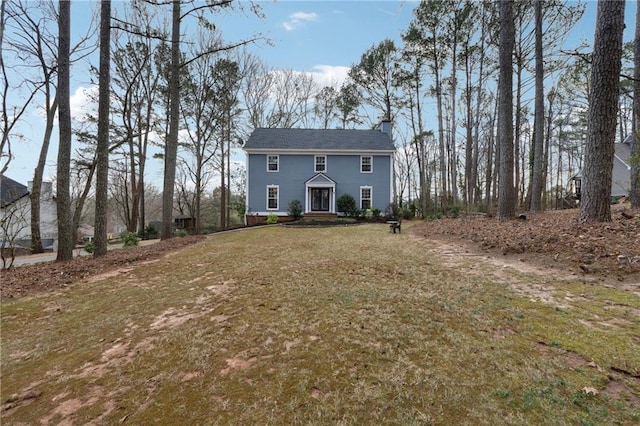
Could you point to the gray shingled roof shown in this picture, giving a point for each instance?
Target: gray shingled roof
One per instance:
(11, 191)
(319, 140)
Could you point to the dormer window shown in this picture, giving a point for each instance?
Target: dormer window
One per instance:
(320, 163)
(272, 163)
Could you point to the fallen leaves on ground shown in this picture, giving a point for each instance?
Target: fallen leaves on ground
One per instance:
(553, 237)
(28, 279)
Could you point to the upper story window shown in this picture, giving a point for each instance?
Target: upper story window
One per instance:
(320, 163)
(273, 163)
(366, 164)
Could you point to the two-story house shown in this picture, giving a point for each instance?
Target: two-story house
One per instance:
(316, 167)
(15, 215)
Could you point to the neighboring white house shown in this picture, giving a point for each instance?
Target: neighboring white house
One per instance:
(620, 175)
(15, 215)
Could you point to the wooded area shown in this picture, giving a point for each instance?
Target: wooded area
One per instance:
(482, 63)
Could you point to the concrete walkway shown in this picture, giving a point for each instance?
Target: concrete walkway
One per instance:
(50, 257)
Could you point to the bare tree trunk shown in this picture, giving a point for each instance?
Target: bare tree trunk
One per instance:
(603, 109)
(65, 234)
(476, 147)
(38, 174)
(228, 199)
(171, 146)
(538, 134)
(547, 152)
(491, 154)
(79, 203)
(102, 148)
(454, 88)
(635, 147)
(506, 198)
(223, 190)
(469, 171)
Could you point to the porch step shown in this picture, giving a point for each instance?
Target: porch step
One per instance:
(315, 215)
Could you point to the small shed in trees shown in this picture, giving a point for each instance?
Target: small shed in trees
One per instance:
(186, 223)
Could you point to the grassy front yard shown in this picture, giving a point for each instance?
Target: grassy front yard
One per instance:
(345, 325)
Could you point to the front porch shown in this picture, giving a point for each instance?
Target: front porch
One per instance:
(320, 196)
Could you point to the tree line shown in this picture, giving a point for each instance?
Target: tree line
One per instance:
(491, 110)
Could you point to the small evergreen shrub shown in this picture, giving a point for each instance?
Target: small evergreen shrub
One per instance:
(150, 233)
(406, 213)
(272, 218)
(295, 209)
(181, 233)
(240, 208)
(89, 247)
(453, 211)
(347, 204)
(130, 239)
(375, 214)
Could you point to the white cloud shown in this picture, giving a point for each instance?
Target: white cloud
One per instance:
(330, 75)
(83, 102)
(298, 19)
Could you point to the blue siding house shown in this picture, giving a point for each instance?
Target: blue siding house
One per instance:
(316, 167)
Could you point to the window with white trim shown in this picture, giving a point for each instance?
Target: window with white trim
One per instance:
(320, 163)
(273, 163)
(365, 197)
(272, 197)
(366, 164)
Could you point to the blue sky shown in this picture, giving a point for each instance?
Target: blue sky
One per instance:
(320, 37)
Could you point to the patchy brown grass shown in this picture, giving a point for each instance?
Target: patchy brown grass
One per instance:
(349, 325)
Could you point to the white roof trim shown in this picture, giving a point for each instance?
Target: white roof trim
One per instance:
(316, 151)
(320, 179)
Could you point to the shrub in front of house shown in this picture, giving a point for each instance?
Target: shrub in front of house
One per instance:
(295, 209)
(88, 247)
(407, 214)
(272, 218)
(347, 204)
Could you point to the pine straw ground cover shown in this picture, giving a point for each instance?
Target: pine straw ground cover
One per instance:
(345, 325)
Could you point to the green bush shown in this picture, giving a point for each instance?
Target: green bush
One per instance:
(150, 233)
(295, 209)
(453, 211)
(130, 239)
(406, 213)
(272, 218)
(181, 233)
(347, 204)
(240, 208)
(89, 247)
